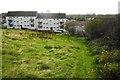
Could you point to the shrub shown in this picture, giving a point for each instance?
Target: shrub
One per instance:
(107, 56)
(114, 71)
(93, 28)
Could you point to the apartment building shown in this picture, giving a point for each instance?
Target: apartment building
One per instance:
(21, 19)
(35, 21)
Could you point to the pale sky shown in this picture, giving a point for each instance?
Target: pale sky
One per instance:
(63, 6)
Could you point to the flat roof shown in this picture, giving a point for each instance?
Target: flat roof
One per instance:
(21, 13)
(51, 15)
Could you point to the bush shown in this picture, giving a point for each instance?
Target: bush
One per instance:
(107, 56)
(70, 27)
(106, 29)
(93, 28)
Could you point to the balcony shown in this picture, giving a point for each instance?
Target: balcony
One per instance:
(31, 20)
(40, 26)
(10, 24)
(10, 21)
(61, 22)
(39, 22)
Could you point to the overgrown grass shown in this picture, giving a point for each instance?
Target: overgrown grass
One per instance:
(28, 54)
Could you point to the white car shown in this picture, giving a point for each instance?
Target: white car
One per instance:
(59, 31)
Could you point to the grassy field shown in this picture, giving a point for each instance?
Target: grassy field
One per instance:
(30, 54)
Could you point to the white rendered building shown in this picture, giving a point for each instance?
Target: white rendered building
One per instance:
(36, 21)
(51, 21)
(21, 19)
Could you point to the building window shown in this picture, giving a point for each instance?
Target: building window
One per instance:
(39, 26)
(24, 21)
(21, 22)
(32, 25)
(28, 25)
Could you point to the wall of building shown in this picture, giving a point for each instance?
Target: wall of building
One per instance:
(51, 21)
(49, 24)
(21, 22)
(0, 19)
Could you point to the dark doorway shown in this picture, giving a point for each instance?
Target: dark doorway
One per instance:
(21, 26)
(51, 28)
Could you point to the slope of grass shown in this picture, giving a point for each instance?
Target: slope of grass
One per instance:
(28, 54)
(0, 54)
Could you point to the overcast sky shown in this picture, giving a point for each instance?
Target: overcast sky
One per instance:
(63, 6)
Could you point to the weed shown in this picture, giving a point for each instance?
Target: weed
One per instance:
(48, 47)
(74, 47)
(31, 49)
(44, 55)
(58, 47)
(10, 52)
(42, 66)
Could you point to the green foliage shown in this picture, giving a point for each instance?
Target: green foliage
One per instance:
(80, 17)
(105, 47)
(107, 61)
(107, 29)
(58, 47)
(70, 27)
(43, 66)
(10, 52)
(3, 27)
(106, 56)
(48, 47)
(80, 33)
(93, 28)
